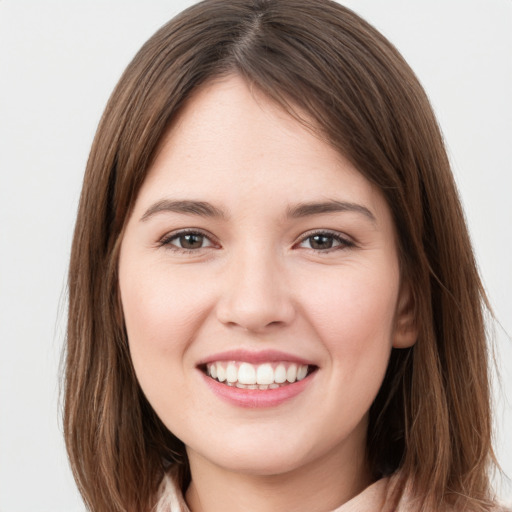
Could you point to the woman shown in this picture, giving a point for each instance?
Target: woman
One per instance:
(274, 303)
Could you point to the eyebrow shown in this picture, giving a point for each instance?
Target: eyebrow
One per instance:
(331, 206)
(205, 209)
(201, 208)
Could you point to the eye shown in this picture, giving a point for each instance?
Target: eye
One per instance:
(186, 241)
(324, 241)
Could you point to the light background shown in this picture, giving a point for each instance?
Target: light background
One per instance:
(59, 61)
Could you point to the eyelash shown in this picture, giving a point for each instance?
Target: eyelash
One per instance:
(166, 241)
(344, 243)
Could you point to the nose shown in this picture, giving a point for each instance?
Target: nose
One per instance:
(255, 295)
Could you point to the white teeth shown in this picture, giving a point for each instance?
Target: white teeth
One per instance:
(231, 373)
(247, 374)
(220, 371)
(246, 386)
(280, 374)
(264, 376)
(291, 373)
(250, 386)
(302, 371)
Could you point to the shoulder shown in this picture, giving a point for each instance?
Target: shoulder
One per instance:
(392, 494)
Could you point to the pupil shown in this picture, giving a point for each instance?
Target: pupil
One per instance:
(321, 242)
(191, 241)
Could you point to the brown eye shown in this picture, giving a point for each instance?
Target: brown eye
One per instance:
(319, 242)
(191, 241)
(324, 241)
(187, 241)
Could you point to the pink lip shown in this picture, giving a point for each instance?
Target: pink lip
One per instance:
(263, 356)
(256, 398)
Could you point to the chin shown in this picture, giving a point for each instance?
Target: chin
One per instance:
(261, 458)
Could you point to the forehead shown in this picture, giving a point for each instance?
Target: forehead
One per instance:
(231, 144)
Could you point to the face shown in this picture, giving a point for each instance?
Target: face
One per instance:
(260, 285)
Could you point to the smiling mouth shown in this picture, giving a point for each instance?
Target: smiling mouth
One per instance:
(264, 376)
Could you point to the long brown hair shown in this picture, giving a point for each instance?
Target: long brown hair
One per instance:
(431, 418)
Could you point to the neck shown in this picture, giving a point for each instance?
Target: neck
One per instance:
(321, 485)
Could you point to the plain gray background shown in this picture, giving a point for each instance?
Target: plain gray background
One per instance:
(59, 61)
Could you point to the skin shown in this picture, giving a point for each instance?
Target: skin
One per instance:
(257, 281)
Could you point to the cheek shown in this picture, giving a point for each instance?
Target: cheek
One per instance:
(159, 308)
(353, 315)
(161, 316)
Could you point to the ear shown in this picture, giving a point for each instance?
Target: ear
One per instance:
(406, 326)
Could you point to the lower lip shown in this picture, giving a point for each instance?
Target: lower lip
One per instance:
(257, 398)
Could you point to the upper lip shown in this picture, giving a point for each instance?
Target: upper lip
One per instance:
(254, 357)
